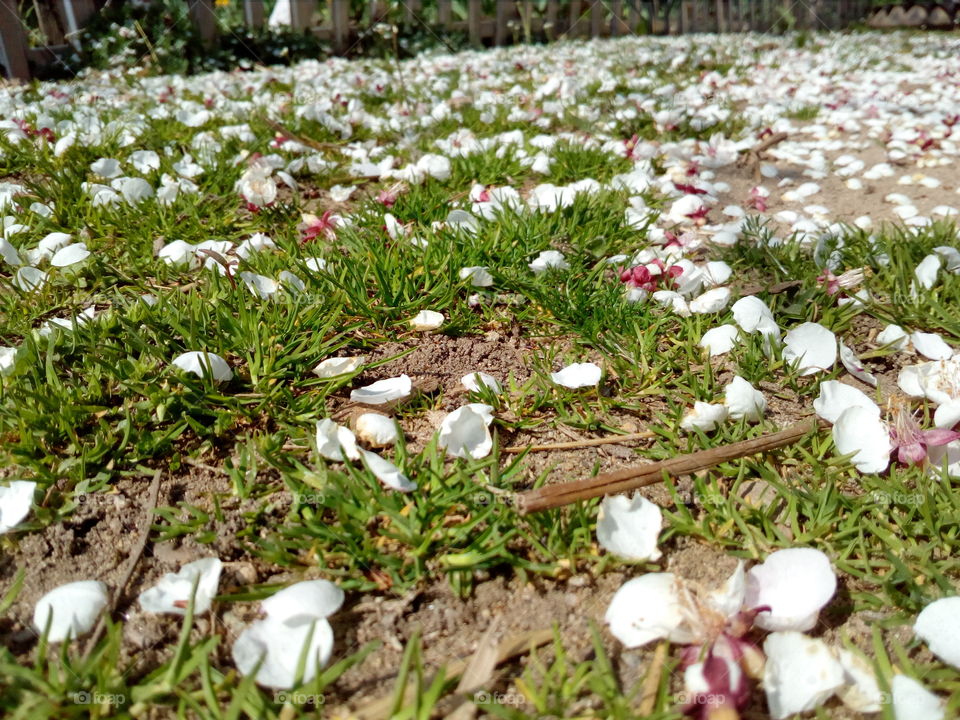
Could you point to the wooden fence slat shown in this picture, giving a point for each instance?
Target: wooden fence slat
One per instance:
(502, 32)
(574, 26)
(445, 13)
(340, 17)
(253, 13)
(413, 9)
(633, 15)
(552, 17)
(474, 13)
(204, 20)
(596, 19)
(13, 43)
(301, 13)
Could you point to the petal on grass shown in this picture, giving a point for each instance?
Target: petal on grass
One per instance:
(629, 526)
(938, 625)
(795, 584)
(744, 401)
(858, 430)
(465, 432)
(71, 609)
(912, 701)
(578, 375)
(16, 499)
(800, 673)
(835, 397)
(332, 367)
(386, 472)
(811, 347)
(648, 608)
(383, 391)
(720, 340)
(172, 593)
(203, 364)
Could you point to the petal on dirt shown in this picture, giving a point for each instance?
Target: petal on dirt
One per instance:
(629, 527)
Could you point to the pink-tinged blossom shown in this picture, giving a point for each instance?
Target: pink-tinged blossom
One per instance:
(314, 226)
(911, 443)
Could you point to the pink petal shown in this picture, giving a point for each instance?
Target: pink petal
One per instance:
(911, 454)
(939, 436)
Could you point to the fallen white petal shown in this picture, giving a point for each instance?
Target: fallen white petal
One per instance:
(578, 375)
(859, 430)
(426, 320)
(648, 608)
(795, 584)
(474, 382)
(704, 416)
(70, 255)
(931, 346)
(172, 593)
(853, 366)
(744, 401)
(202, 363)
(71, 609)
(386, 472)
(383, 391)
(549, 259)
(278, 645)
(376, 430)
(860, 691)
(629, 526)
(334, 442)
(16, 499)
(465, 432)
(835, 397)
(307, 599)
(894, 336)
(938, 625)
(332, 367)
(800, 673)
(926, 272)
(810, 347)
(711, 301)
(912, 701)
(720, 340)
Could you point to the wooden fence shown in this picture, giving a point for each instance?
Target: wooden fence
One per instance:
(340, 21)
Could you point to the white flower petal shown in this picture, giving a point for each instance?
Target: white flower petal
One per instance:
(629, 526)
(332, 367)
(711, 301)
(30, 279)
(810, 347)
(704, 416)
(853, 366)
(931, 346)
(800, 673)
(548, 259)
(16, 499)
(260, 285)
(728, 598)
(479, 275)
(70, 255)
(912, 701)
(859, 430)
(474, 382)
(376, 430)
(926, 272)
(465, 432)
(334, 442)
(308, 599)
(386, 472)
(172, 593)
(648, 608)
(74, 608)
(280, 645)
(578, 375)
(947, 415)
(720, 340)
(860, 692)
(753, 315)
(795, 584)
(836, 397)
(203, 363)
(894, 336)
(383, 391)
(938, 625)
(426, 320)
(744, 401)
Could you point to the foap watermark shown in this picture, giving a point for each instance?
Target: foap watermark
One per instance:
(84, 697)
(499, 698)
(298, 698)
(309, 498)
(885, 497)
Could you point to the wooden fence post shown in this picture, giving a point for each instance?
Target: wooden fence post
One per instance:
(444, 13)
(204, 20)
(13, 43)
(301, 14)
(253, 13)
(341, 26)
(501, 32)
(551, 18)
(474, 13)
(596, 19)
(412, 11)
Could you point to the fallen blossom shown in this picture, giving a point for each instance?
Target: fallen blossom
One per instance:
(71, 610)
(465, 432)
(332, 367)
(426, 320)
(744, 401)
(172, 593)
(629, 526)
(16, 499)
(376, 430)
(204, 364)
(383, 391)
(578, 375)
